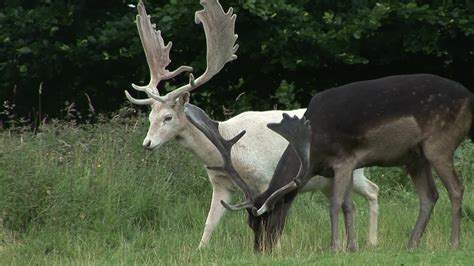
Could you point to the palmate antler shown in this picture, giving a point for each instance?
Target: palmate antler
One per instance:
(210, 129)
(298, 133)
(157, 55)
(220, 38)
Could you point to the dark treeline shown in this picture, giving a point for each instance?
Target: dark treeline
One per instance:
(80, 49)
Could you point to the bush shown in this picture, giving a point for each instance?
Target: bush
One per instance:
(89, 49)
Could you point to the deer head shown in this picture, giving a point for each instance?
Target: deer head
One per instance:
(267, 216)
(266, 227)
(167, 119)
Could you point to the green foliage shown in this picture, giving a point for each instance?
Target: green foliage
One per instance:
(285, 95)
(92, 195)
(73, 48)
(78, 47)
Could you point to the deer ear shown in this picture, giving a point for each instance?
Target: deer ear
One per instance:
(183, 99)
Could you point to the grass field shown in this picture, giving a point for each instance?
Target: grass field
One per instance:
(92, 195)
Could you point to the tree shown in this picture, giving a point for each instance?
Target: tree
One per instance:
(288, 49)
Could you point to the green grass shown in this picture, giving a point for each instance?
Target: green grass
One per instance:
(92, 195)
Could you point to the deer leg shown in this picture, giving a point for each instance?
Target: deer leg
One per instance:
(348, 208)
(420, 173)
(216, 211)
(342, 183)
(444, 167)
(370, 192)
(328, 193)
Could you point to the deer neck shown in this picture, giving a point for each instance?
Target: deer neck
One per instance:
(196, 141)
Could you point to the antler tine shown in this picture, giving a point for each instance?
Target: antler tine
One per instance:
(298, 133)
(156, 52)
(220, 39)
(147, 101)
(210, 129)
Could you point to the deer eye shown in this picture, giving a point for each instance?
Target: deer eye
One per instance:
(167, 118)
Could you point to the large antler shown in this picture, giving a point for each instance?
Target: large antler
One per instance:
(157, 56)
(298, 133)
(220, 38)
(210, 129)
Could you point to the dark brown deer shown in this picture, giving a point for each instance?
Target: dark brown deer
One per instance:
(416, 121)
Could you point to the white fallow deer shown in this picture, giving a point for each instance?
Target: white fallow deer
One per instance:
(256, 155)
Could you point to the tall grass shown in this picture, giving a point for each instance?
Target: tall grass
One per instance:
(92, 195)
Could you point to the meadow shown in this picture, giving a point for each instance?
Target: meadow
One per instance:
(91, 194)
